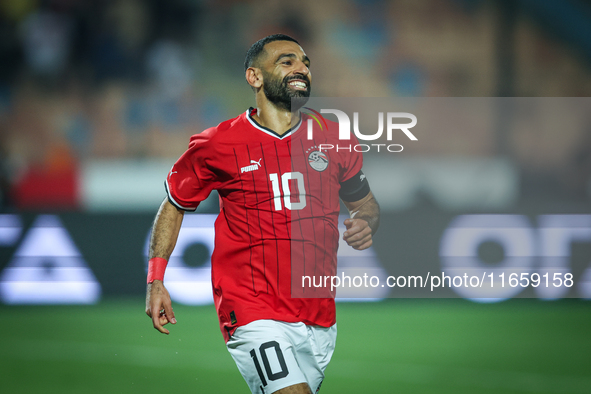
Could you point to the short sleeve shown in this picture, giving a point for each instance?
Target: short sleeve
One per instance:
(190, 180)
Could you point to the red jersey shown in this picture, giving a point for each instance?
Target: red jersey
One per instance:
(279, 207)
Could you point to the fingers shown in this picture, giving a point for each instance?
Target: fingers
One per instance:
(169, 314)
(361, 244)
(348, 223)
(159, 320)
(358, 234)
(357, 229)
(159, 307)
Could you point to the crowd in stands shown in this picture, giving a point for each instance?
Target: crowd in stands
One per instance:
(133, 79)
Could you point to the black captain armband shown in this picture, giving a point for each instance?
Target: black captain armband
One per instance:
(354, 188)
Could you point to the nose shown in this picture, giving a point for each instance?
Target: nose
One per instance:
(301, 68)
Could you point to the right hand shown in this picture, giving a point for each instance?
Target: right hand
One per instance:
(158, 306)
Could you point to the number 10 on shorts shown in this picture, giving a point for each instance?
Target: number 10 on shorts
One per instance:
(283, 372)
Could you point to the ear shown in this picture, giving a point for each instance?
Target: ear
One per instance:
(254, 77)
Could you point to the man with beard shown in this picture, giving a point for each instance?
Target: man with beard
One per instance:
(279, 206)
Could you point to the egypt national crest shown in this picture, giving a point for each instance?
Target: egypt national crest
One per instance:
(318, 160)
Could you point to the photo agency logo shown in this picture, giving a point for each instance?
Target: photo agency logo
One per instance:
(395, 122)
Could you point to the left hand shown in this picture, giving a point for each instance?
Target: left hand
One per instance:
(358, 234)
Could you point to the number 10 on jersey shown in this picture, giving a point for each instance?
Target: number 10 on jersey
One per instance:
(277, 186)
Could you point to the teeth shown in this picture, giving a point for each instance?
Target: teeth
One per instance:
(298, 84)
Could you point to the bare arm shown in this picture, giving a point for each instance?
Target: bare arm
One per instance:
(364, 222)
(165, 232)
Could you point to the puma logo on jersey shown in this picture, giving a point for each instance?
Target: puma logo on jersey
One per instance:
(254, 165)
(361, 177)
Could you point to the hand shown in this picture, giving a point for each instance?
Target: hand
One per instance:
(158, 306)
(358, 234)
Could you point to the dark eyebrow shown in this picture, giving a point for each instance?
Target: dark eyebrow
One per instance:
(292, 56)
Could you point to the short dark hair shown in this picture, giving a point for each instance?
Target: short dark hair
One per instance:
(257, 48)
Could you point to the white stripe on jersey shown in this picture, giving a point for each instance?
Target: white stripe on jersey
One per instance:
(175, 203)
(252, 122)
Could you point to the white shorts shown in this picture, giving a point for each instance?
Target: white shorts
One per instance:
(272, 355)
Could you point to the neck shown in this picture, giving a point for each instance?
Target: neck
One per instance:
(277, 119)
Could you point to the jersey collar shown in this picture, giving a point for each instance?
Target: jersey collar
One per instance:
(268, 131)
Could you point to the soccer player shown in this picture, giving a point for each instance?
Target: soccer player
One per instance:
(279, 206)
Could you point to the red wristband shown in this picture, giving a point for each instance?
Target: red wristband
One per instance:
(156, 268)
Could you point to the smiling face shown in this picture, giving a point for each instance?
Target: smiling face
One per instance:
(286, 73)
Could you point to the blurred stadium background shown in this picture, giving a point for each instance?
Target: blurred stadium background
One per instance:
(98, 98)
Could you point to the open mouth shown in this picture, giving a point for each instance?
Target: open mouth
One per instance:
(298, 84)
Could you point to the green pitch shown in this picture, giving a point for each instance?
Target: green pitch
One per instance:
(397, 346)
